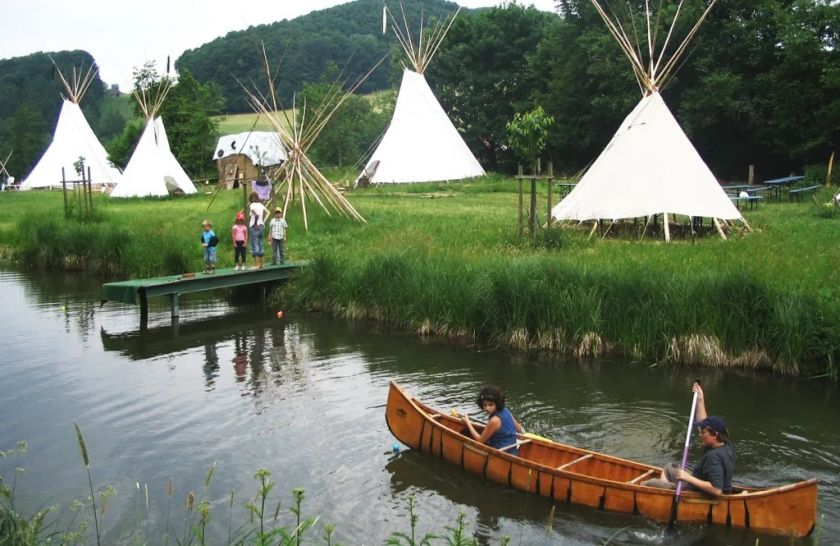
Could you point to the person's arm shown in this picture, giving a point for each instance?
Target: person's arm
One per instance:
(233, 236)
(489, 429)
(519, 428)
(700, 412)
(707, 487)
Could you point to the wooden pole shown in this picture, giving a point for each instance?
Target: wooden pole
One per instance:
(532, 216)
(828, 173)
(550, 184)
(720, 229)
(667, 227)
(751, 176)
(64, 190)
(90, 190)
(244, 194)
(519, 222)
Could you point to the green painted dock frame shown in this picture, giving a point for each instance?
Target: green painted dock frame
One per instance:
(138, 291)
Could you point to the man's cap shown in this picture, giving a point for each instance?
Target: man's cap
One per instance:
(278, 209)
(713, 422)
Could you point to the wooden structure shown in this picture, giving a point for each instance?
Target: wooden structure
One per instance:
(532, 210)
(138, 291)
(579, 476)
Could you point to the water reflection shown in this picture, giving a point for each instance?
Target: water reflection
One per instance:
(238, 386)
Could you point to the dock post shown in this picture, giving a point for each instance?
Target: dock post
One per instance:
(144, 310)
(175, 310)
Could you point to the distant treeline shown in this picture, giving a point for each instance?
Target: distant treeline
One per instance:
(300, 50)
(760, 84)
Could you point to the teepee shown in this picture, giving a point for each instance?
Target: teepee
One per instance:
(421, 144)
(298, 177)
(73, 143)
(152, 170)
(649, 166)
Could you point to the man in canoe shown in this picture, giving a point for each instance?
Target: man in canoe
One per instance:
(501, 428)
(713, 473)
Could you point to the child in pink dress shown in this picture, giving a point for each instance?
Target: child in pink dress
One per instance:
(239, 235)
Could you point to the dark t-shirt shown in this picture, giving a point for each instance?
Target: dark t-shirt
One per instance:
(716, 467)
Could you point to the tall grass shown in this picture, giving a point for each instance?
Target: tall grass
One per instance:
(445, 259)
(714, 318)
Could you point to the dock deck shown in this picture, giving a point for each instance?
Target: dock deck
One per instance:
(138, 291)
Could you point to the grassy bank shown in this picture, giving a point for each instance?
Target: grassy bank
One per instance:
(446, 260)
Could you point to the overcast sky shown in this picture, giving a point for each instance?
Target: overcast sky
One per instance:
(123, 34)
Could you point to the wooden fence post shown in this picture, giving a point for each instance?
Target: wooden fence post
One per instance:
(519, 181)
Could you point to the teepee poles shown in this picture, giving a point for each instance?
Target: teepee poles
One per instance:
(79, 82)
(421, 55)
(298, 131)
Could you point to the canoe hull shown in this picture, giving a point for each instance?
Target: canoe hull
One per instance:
(566, 473)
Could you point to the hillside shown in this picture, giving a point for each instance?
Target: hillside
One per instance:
(348, 35)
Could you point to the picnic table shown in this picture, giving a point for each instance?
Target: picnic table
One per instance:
(564, 188)
(752, 201)
(778, 183)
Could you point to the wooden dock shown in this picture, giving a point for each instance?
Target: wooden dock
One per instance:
(138, 291)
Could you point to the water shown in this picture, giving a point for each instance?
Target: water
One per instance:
(304, 398)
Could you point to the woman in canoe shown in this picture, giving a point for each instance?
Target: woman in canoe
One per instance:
(501, 428)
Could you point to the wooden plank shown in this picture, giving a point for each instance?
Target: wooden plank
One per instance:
(646, 475)
(578, 460)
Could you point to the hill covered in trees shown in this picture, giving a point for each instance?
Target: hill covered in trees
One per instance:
(348, 36)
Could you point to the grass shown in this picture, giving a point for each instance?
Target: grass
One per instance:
(445, 260)
(230, 124)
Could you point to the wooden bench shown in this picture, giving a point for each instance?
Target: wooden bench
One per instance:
(574, 462)
(798, 192)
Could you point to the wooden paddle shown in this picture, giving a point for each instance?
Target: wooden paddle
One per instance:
(676, 500)
(454, 413)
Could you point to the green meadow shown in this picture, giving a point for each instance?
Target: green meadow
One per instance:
(446, 260)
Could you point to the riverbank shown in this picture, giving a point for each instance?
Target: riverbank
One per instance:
(445, 260)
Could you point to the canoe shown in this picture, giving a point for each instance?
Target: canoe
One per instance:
(579, 476)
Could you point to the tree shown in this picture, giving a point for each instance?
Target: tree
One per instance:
(188, 115)
(528, 134)
(480, 74)
(28, 136)
(352, 130)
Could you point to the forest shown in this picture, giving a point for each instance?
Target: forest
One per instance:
(760, 84)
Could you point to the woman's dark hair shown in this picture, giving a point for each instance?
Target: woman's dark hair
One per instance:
(253, 197)
(492, 394)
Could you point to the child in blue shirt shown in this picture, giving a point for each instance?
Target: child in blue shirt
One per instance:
(209, 241)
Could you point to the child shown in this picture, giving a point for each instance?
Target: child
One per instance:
(501, 428)
(277, 234)
(239, 234)
(209, 242)
(256, 227)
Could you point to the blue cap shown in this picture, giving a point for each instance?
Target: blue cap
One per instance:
(713, 422)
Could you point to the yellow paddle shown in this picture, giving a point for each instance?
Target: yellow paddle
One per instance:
(454, 413)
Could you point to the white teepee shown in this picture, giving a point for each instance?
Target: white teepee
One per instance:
(152, 170)
(649, 167)
(72, 139)
(421, 144)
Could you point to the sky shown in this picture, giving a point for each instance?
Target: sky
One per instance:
(123, 34)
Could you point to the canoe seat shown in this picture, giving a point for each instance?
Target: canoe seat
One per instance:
(517, 444)
(434, 416)
(578, 460)
(644, 476)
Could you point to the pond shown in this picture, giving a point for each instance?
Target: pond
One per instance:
(304, 397)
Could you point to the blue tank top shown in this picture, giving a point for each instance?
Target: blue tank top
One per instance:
(506, 435)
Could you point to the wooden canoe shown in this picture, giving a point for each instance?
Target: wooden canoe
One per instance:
(576, 475)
